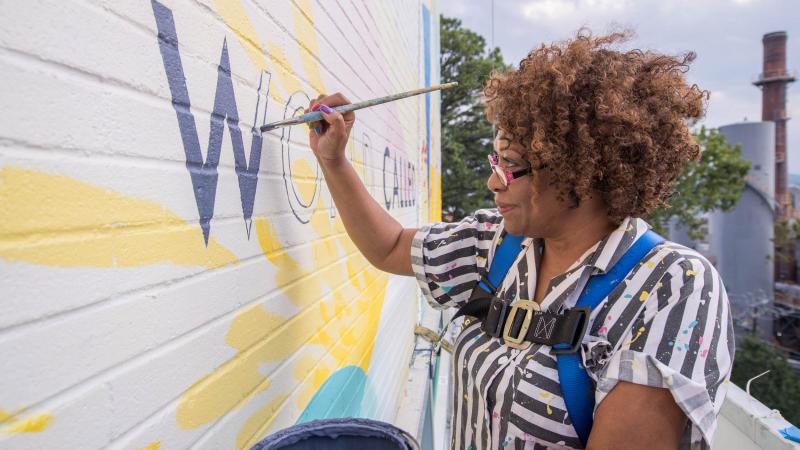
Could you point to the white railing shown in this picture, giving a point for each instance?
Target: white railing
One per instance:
(747, 424)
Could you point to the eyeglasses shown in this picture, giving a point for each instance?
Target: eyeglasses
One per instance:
(503, 173)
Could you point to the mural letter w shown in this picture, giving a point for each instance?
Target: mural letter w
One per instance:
(204, 173)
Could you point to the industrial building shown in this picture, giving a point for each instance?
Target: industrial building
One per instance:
(760, 271)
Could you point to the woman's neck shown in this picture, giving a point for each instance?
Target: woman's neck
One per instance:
(576, 234)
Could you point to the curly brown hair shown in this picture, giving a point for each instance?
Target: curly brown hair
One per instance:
(604, 120)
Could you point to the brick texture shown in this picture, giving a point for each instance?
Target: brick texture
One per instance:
(170, 277)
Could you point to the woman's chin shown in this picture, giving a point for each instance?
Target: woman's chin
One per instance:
(512, 228)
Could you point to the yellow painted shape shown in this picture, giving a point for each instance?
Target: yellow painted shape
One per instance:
(643, 296)
(235, 16)
(304, 179)
(11, 423)
(54, 220)
(238, 379)
(283, 69)
(547, 398)
(638, 333)
(435, 206)
(34, 424)
(315, 372)
(247, 328)
(6, 416)
(340, 305)
(309, 48)
(155, 445)
(357, 158)
(255, 426)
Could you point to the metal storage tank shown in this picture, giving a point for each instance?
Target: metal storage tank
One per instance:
(741, 239)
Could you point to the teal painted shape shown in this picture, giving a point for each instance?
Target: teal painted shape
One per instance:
(340, 396)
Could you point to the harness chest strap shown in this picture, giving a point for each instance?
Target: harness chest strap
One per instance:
(522, 323)
(525, 324)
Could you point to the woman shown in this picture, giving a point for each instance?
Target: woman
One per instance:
(590, 140)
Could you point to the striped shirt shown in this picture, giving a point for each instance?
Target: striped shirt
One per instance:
(666, 325)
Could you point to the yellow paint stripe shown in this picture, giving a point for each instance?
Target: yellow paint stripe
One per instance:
(250, 433)
(54, 220)
(283, 69)
(10, 423)
(235, 17)
(309, 48)
(155, 445)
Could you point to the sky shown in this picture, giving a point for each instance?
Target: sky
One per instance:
(725, 34)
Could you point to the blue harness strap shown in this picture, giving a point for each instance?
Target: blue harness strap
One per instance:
(576, 385)
(507, 251)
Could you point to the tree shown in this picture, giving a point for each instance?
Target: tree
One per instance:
(780, 388)
(716, 182)
(466, 134)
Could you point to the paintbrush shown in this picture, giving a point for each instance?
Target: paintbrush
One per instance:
(317, 116)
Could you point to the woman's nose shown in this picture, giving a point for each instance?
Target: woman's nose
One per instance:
(494, 184)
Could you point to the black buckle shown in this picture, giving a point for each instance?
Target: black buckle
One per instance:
(583, 313)
(495, 317)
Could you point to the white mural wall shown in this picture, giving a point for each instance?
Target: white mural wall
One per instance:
(169, 276)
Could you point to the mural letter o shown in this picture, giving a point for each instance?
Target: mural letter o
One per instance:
(301, 207)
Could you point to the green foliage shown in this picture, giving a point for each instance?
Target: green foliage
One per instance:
(466, 135)
(786, 235)
(779, 389)
(783, 232)
(716, 182)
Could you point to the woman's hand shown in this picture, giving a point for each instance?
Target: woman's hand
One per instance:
(328, 138)
(381, 238)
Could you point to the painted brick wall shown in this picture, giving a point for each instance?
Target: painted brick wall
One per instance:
(170, 278)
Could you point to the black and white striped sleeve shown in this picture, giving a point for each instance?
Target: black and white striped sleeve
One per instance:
(448, 258)
(682, 341)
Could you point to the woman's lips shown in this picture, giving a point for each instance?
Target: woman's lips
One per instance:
(504, 208)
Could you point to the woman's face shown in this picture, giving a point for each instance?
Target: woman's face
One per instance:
(529, 204)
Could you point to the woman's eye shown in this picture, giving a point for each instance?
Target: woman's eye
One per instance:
(508, 163)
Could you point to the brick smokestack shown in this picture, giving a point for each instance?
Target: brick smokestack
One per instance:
(773, 82)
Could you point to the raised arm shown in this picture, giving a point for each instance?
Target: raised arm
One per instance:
(379, 237)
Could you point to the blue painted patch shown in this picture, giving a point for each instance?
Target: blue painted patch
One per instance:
(340, 396)
(426, 37)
